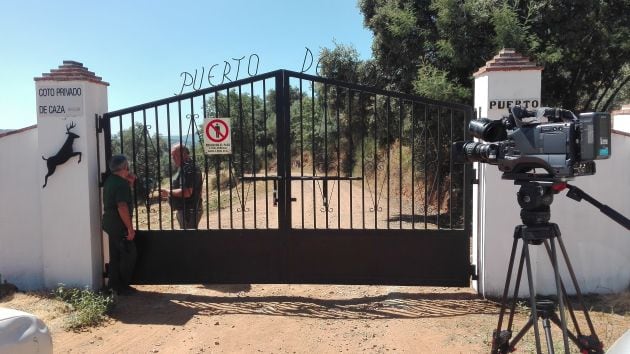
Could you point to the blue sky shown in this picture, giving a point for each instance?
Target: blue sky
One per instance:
(142, 47)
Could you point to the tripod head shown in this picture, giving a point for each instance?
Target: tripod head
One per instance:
(536, 195)
(535, 199)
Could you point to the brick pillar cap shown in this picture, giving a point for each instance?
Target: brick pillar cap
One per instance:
(508, 60)
(71, 70)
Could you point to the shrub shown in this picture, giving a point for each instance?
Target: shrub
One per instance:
(88, 308)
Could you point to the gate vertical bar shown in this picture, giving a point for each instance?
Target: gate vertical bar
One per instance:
(135, 166)
(242, 134)
(338, 158)
(264, 93)
(387, 147)
(282, 141)
(438, 178)
(427, 109)
(145, 132)
(350, 143)
(400, 165)
(159, 173)
(450, 180)
(254, 169)
(413, 165)
(302, 150)
(325, 181)
(364, 134)
(230, 175)
(313, 151)
(375, 163)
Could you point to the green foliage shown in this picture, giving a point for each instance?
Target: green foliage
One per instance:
(583, 46)
(434, 83)
(510, 31)
(88, 308)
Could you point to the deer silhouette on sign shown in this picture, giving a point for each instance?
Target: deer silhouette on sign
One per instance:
(63, 155)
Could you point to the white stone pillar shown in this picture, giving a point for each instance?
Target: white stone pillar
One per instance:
(70, 203)
(508, 79)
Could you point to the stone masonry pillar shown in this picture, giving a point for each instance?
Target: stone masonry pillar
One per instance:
(508, 79)
(67, 100)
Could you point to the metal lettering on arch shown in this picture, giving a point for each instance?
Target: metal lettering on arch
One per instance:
(326, 182)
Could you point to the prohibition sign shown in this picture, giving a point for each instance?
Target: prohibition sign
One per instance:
(220, 129)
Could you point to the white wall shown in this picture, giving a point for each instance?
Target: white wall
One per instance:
(598, 247)
(21, 257)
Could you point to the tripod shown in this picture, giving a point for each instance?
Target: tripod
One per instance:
(535, 198)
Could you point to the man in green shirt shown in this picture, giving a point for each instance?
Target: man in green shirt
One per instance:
(185, 196)
(118, 209)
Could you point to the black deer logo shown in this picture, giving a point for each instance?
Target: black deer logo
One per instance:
(64, 154)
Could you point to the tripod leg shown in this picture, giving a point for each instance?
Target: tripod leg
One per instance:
(577, 287)
(532, 295)
(566, 297)
(554, 318)
(520, 335)
(591, 342)
(519, 274)
(560, 296)
(547, 329)
(507, 282)
(501, 338)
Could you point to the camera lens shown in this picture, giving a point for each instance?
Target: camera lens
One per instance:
(480, 152)
(487, 129)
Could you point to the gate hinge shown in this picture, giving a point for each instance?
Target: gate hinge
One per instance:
(474, 180)
(473, 272)
(99, 123)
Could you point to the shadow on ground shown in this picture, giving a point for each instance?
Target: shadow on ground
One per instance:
(147, 307)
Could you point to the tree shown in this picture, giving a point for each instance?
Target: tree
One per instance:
(583, 45)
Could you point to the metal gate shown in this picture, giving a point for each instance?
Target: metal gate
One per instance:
(327, 182)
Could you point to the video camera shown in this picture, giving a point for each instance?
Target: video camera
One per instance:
(552, 139)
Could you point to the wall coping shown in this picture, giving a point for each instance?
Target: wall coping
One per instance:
(16, 131)
(620, 132)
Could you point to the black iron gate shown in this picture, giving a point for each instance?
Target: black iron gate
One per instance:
(327, 182)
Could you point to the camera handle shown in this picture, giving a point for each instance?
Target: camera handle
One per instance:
(577, 194)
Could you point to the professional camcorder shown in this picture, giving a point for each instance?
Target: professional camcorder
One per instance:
(551, 139)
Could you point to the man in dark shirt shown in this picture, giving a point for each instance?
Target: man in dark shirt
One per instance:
(118, 209)
(185, 196)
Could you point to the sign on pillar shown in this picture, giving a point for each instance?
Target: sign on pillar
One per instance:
(59, 100)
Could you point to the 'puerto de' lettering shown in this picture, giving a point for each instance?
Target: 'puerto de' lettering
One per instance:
(507, 103)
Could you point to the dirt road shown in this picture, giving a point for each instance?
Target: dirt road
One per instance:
(289, 319)
(296, 319)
